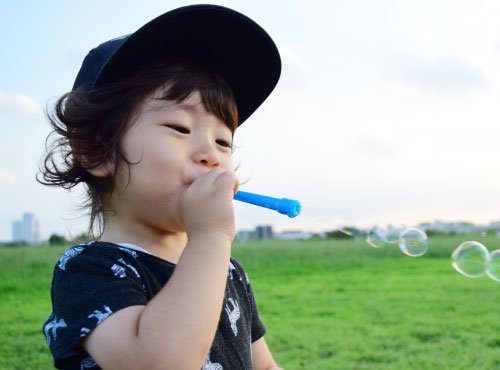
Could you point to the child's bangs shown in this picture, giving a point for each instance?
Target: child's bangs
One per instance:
(221, 104)
(216, 95)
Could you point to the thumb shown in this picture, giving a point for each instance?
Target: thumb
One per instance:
(236, 185)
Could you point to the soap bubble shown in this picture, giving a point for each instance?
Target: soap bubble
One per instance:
(376, 237)
(346, 230)
(413, 242)
(470, 259)
(493, 270)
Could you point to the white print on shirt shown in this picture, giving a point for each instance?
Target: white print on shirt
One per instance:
(87, 363)
(52, 327)
(99, 315)
(88, 243)
(120, 270)
(233, 315)
(129, 251)
(84, 332)
(130, 267)
(69, 254)
(230, 271)
(208, 365)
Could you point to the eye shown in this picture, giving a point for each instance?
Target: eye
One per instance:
(179, 128)
(223, 143)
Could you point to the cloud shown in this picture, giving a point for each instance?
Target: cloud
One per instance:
(373, 148)
(6, 177)
(445, 74)
(293, 73)
(20, 104)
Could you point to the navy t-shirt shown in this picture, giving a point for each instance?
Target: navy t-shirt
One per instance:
(93, 280)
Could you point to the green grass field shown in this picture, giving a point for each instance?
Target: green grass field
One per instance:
(326, 304)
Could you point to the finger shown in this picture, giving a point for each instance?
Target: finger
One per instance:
(207, 180)
(236, 185)
(226, 180)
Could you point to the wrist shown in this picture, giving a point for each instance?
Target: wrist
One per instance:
(213, 237)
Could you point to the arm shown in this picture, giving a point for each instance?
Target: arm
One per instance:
(175, 330)
(262, 357)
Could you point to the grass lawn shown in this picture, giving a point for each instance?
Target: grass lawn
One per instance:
(326, 304)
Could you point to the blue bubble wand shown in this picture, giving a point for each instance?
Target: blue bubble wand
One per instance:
(289, 207)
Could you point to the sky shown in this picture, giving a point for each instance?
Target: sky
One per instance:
(386, 112)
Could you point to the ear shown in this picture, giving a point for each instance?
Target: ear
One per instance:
(103, 170)
(88, 162)
(99, 171)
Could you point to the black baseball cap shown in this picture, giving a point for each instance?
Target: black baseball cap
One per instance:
(218, 38)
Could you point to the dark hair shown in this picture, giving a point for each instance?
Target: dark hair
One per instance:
(88, 126)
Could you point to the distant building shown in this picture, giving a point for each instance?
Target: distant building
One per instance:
(264, 232)
(244, 235)
(17, 231)
(459, 227)
(294, 235)
(26, 230)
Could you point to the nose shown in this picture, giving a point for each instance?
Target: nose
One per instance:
(206, 154)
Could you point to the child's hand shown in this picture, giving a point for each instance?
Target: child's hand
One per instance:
(207, 204)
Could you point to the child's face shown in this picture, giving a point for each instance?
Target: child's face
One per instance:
(169, 146)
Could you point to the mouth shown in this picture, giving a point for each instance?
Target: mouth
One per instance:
(189, 181)
(193, 176)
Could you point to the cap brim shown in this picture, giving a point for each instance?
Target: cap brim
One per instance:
(223, 40)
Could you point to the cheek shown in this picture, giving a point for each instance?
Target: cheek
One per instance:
(133, 142)
(147, 164)
(151, 173)
(227, 164)
(150, 153)
(159, 171)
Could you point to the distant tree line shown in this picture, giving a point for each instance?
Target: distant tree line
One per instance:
(345, 233)
(57, 240)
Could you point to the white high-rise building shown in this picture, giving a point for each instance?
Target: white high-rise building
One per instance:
(26, 230)
(17, 231)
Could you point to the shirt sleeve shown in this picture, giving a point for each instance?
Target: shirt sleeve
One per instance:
(89, 284)
(257, 327)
